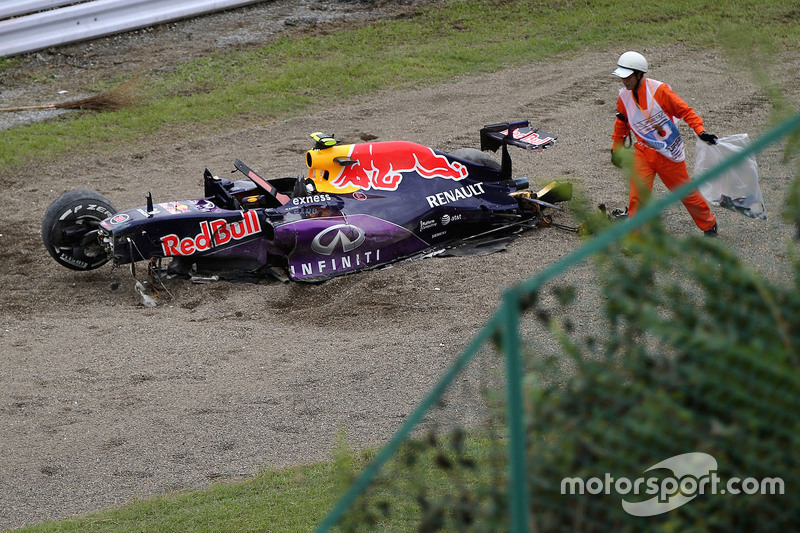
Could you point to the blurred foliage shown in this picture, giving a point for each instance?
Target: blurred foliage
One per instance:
(700, 354)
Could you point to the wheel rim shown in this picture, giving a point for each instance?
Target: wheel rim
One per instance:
(76, 241)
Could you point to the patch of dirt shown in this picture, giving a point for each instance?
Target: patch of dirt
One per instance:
(103, 400)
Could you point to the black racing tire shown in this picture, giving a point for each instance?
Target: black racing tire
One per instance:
(69, 229)
(476, 156)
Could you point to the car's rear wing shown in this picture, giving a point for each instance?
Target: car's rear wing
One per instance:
(519, 134)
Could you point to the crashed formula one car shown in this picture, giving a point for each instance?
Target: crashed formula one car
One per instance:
(360, 206)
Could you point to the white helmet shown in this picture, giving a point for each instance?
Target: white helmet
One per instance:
(628, 63)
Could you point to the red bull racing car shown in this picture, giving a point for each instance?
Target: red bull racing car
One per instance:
(359, 206)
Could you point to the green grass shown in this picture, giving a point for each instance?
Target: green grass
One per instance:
(295, 75)
(293, 499)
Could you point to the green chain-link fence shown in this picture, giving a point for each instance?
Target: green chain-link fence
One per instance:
(697, 361)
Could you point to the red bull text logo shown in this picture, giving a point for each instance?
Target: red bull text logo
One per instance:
(213, 233)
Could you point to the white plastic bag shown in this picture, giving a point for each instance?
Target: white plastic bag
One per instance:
(736, 189)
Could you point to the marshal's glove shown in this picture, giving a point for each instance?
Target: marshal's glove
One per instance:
(622, 157)
(616, 157)
(709, 138)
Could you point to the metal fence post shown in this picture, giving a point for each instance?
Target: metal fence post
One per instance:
(515, 413)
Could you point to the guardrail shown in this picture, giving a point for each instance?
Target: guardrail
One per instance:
(46, 23)
(13, 8)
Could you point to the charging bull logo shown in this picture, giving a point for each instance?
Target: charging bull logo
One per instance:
(379, 166)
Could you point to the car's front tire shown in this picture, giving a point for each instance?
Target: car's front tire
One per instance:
(70, 229)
